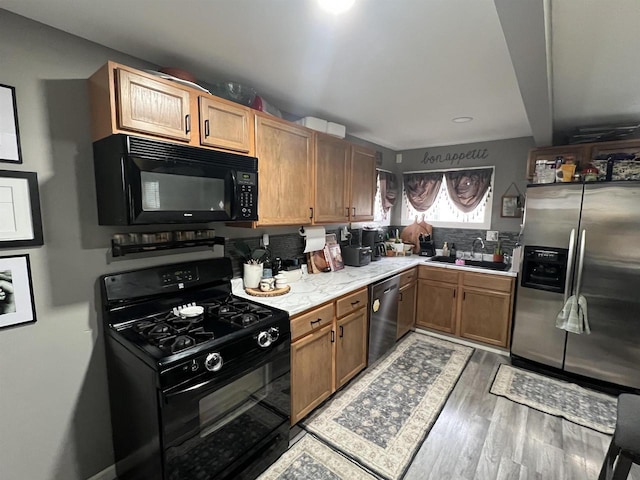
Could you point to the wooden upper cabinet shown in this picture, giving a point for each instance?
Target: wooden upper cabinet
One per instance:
(149, 106)
(285, 165)
(363, 183)
(225, 126)
(332, 179)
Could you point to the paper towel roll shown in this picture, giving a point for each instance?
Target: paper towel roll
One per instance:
(314, 238)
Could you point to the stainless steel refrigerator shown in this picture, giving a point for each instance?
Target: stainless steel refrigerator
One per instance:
(581, 239)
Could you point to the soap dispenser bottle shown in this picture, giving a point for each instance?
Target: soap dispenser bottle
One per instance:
(445, 250)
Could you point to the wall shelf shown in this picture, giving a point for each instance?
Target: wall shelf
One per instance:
(168, 241)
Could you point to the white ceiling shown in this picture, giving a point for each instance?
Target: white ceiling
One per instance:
(394, 72)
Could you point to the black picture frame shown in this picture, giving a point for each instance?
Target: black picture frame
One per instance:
(17, 303)
(510, 206)
(20, 202)
(10, 150)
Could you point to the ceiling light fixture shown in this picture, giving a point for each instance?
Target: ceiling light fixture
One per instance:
(462, 119)
(336, 6)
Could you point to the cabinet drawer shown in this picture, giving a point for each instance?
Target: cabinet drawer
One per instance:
(312, 320)
(488, 281)
(407, 277)
(438, 274)
(351, 302)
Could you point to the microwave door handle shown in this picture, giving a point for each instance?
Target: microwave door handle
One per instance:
(234, 196)
(583, 242)
(569, 272)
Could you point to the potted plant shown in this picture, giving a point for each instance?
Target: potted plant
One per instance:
(391, 252)
(498, 255)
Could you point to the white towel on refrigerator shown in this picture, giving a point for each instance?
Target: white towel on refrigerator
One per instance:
(573, 316)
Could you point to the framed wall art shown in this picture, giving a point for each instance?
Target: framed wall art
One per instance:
(9, 133)
(20, 219)
(510, 207)
(16, 291)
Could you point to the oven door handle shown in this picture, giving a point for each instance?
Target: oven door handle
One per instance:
(189, 390)
(195, 389)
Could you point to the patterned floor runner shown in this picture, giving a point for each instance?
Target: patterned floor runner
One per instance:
(382, 418)
(578, 405)
(312, 459)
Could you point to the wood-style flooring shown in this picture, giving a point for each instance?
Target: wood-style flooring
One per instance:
(480, 436)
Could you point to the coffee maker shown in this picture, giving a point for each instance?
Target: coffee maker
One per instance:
(374, 238)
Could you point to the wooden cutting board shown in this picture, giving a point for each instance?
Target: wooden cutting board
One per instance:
(256, 292)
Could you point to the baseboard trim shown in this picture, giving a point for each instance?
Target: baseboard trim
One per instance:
(499, 351)
(108, 473)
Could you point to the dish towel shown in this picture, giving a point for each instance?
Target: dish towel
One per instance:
(573, 316)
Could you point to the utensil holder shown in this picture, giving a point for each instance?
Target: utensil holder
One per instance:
(252, 275)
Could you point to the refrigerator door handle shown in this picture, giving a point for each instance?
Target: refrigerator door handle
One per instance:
(583, 241)
(567, 281)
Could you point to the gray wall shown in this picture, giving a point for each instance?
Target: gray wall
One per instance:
(54, 410)
(54, 413)
(508, 156)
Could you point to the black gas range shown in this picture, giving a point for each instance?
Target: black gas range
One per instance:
(192, 369)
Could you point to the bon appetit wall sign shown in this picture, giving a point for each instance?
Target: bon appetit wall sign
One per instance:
(454, 158)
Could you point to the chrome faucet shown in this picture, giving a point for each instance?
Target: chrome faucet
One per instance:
(473, 246)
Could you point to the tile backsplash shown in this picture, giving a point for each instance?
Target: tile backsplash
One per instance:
(291, 245)
(463, 238)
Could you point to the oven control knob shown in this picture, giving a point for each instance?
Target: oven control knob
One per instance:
(264, 339)
(274, 334)
(213, 362)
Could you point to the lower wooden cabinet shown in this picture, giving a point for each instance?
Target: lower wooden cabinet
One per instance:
(312, 379)
(406, 309)
(473, 305)
(437, 306)
(484, 316)
(325, 356)
(351, 346)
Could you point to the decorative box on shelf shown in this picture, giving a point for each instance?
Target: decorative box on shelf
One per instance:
(127, 243)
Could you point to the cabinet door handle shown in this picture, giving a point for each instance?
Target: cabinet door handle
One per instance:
(400, 297)
(464, 296)
(341, 331)
(206, 128)
(333, 336)
(347, 211)
(315, 321)
(354, 211)
(454, 294)
(187, 121)
(311, 213)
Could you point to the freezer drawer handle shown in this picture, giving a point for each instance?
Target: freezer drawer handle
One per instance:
(567, 282)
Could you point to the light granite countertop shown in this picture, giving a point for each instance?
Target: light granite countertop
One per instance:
(314, 289)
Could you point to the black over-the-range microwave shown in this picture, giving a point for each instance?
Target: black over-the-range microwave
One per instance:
(141, 181)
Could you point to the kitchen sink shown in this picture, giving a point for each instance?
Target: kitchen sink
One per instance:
(475, 263)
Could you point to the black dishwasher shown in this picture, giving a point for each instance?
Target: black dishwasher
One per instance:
(383, 317)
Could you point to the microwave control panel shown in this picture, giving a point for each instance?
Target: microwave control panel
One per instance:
(247, 195)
